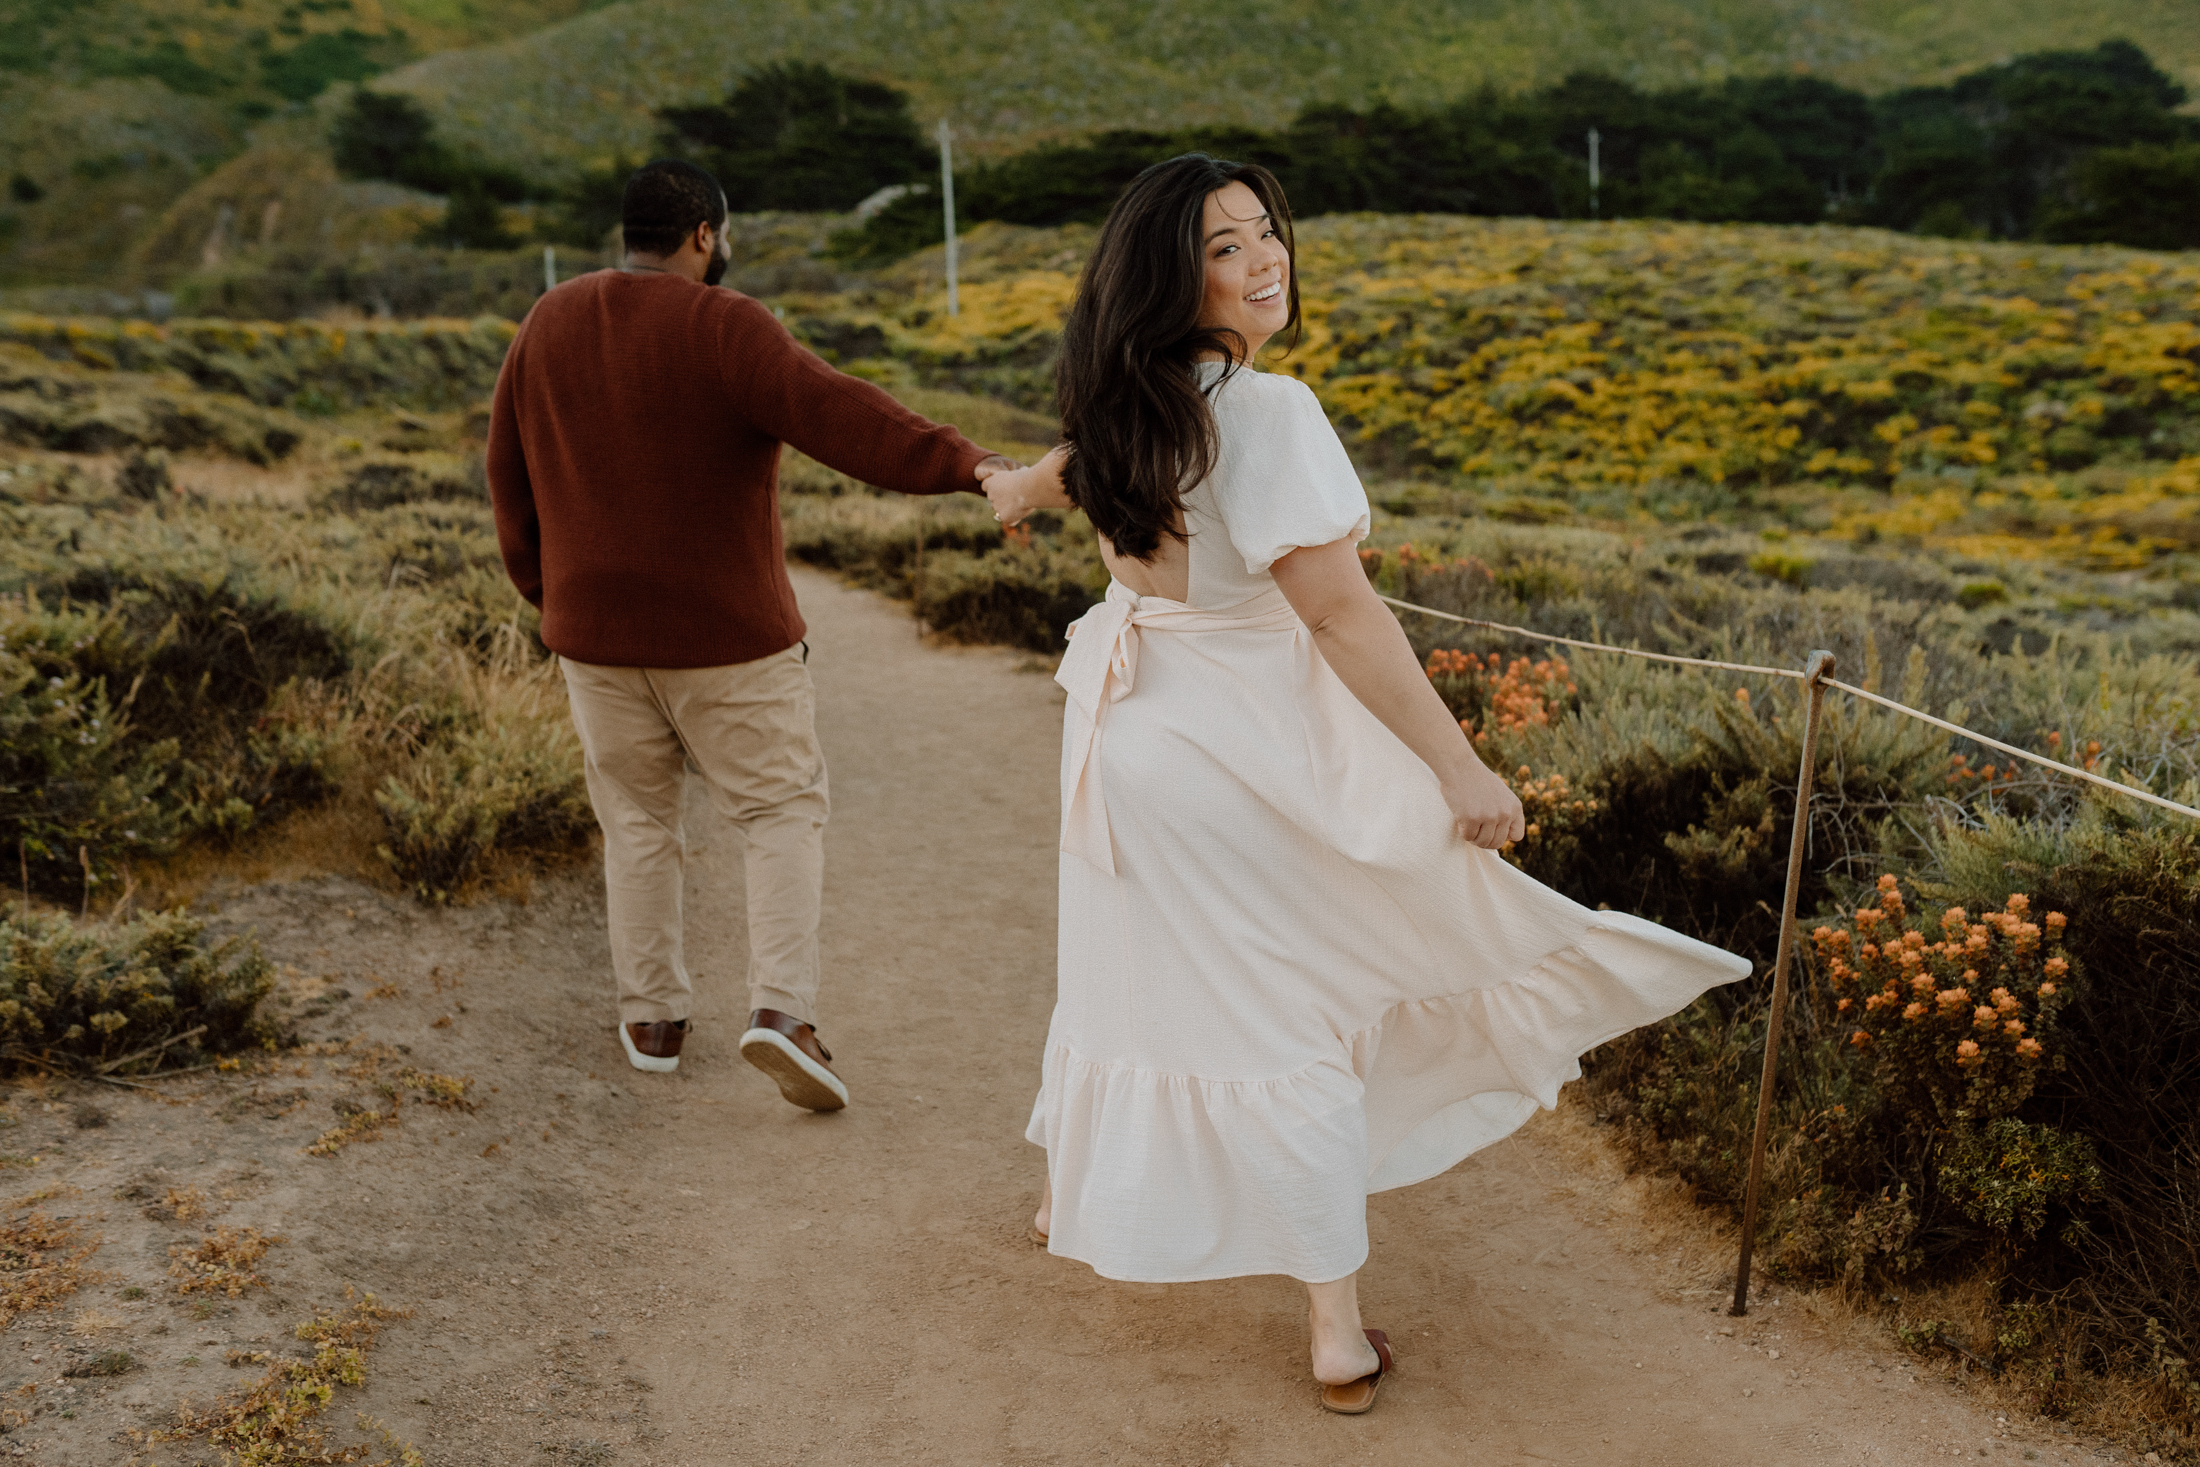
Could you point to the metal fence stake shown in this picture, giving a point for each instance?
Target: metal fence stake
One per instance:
(1815, 670)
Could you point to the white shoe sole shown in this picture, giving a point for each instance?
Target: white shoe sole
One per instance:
(652, 1063)
(802, 1080)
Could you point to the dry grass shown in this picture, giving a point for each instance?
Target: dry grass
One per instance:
(271, 1424)
(42, 1262)
(105, 1363)
(362, 1124)
(177, 1204)
(92, 1323)
(222, 1262)
(337, 838)
(447, 1092)
(46, 1193)
(367, 1123)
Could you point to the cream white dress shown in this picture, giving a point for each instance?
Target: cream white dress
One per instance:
(1284, 982)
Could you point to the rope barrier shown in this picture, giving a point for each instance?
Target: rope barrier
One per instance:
(1816, 677)
(1788, 672)
(2058, 766)
(1500, 626)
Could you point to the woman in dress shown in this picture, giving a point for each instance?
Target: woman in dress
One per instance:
(1293, 967)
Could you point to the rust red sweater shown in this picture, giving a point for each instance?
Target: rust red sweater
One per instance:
(634, 466)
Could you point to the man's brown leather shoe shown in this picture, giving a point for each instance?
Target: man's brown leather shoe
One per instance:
(787, 1049)
(654, 1047)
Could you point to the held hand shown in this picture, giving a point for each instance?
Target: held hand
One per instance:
(1015, 493)
(1484, 810)
(1009, 492)
(997, 463)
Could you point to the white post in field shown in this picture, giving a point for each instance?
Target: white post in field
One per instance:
(549, 267)
(947, 208)
(1592, 173)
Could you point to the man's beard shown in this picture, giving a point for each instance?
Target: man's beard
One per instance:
(715, 271)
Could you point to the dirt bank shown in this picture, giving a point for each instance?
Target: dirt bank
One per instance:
(606, 1267)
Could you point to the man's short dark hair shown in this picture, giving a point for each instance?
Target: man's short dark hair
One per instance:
(665, 201)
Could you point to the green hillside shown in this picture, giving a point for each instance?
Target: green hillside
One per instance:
(1008, 70)
(110, 109)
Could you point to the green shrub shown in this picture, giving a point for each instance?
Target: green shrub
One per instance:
(91, 409)
(78, 794)
(2008, 1174)
(2131, 882)
(1018, 596)
(1773, 565)
(978, 585)
(78, 995)
(380, 483)
(503, 774)
(152, 688)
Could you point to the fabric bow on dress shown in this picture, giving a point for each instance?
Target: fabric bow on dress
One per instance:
(1100, 669)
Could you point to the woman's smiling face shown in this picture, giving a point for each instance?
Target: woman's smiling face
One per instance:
(1248, 269)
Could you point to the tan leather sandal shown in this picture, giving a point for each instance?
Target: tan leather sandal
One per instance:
(1357, 1397)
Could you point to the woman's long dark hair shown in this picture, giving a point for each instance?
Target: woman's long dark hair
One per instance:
(1139, 429)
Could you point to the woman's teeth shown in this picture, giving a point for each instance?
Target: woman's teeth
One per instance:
(1266, 293)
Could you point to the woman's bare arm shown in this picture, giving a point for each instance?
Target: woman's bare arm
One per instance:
(1363, 643)
(1017, 492)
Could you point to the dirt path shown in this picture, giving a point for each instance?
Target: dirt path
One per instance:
(607, 1267)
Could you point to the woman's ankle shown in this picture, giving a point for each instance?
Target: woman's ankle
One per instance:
(1339, 1346)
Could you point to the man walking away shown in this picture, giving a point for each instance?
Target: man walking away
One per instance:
(633, 461)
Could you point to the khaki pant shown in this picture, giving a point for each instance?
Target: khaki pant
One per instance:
(751, 731)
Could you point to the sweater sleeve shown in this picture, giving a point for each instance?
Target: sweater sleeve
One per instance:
(511, 491)
(843, 422)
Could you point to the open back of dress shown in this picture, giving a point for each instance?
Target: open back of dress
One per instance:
(1285, 982)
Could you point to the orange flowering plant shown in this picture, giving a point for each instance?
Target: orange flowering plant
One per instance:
(1506, 695)
(1955, 1014)
(1510, 696)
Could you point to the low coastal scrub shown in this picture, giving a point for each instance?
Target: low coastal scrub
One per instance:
(311, 365)
(1960, 468)
(967, 580)
(179, 673)
(126, 997)
(1985, 1075)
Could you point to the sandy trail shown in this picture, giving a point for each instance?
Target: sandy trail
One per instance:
(684, 1270)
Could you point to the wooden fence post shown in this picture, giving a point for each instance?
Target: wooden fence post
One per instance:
(1816, 668)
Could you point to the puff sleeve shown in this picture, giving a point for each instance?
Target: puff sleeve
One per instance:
(1282, 479)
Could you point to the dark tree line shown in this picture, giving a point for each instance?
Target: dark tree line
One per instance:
(2066, 146)
(388, 135)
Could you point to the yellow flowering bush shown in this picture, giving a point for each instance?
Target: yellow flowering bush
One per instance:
(312, 364)
(1646, 351)
(1985, 398)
